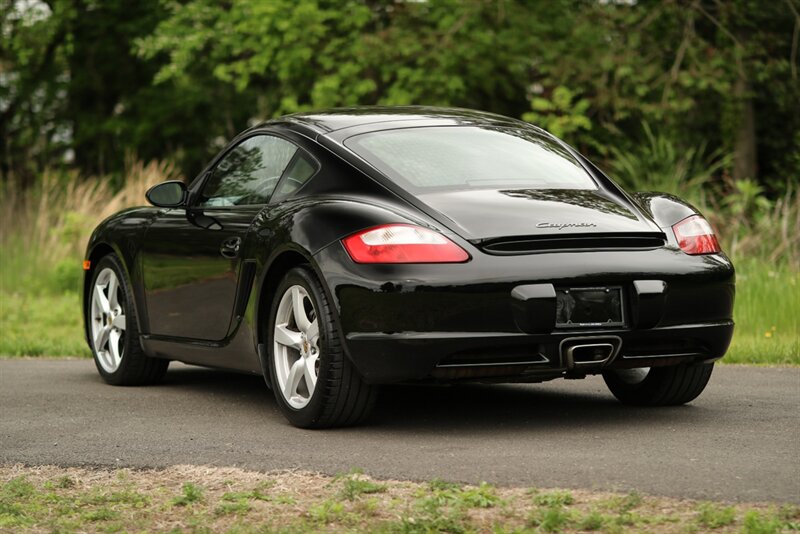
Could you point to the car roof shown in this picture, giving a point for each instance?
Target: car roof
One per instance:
(370, 118)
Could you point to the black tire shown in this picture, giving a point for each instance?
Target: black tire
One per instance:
(135, 367)
(662, 386)
(340, 397)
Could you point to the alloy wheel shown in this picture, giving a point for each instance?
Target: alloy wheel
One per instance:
(108, 320)
(296, 350)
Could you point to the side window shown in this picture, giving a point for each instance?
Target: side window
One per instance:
(298, 173)
(248, 173)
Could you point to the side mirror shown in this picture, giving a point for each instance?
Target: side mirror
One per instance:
(171, 194)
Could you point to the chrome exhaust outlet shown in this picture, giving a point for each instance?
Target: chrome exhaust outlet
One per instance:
(583, 352)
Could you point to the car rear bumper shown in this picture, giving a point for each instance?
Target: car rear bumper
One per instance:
(488, 319)
(386, 358)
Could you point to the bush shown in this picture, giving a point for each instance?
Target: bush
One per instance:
(748, 222)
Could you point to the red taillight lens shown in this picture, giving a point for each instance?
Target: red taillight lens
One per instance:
(402, 243)
(695, 236)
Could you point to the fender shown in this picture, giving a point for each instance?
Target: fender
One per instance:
(665, 209)
(291, 228)
(122, 233)
(310, 228)
(315, 224)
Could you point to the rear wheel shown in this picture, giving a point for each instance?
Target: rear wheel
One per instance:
(114, 330)
(659, 386)
(315, 385)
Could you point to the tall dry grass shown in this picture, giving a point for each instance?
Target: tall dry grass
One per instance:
(44, 230)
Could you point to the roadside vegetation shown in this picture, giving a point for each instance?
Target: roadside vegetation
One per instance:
(206, 499)
(44, 230)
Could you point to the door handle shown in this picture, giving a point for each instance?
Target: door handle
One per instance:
(230, 247)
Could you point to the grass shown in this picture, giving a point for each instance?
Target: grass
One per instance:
(767, 314)
(208, 499)
(41, 325)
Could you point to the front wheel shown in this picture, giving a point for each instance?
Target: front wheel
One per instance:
(659, 386)
(315, 385)
(114, 331)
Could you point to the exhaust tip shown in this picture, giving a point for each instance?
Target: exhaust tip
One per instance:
(590, 352)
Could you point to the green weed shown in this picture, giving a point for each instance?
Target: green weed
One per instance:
(594, 520)
(756, 523)
(451, 522)
(483, 496)
(12, 515)
(238, 507)
(18, 488)
(327, 512)
(256, 494)
(354, 487)
(65, 482)
(283, 499)
(554, 498)
(101, 514)
(191, 493)
(437, 484)
(624, 503)
(712, 515)
(790, 515)
(551, 519)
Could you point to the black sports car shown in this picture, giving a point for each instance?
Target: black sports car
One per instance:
(335, 251)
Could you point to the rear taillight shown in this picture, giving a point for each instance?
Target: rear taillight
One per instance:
(695, 236)
(402, 243)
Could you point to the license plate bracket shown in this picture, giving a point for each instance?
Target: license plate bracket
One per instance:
(589, 307)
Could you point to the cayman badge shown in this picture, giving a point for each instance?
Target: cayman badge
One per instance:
(561, 226)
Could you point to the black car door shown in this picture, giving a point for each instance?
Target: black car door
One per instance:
(192, 257)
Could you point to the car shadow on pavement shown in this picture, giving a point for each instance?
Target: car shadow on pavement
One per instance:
(482, 407)
(505, 407)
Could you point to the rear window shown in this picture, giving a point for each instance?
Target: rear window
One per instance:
(469, 157)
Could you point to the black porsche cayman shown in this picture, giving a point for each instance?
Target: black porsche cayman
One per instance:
(335, 251)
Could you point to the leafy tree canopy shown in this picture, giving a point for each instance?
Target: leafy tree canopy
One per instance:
(84, 82)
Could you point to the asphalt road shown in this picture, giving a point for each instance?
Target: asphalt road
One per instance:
(739, 442)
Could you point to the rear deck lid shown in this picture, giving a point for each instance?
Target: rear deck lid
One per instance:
(489, 214)
(507, 183)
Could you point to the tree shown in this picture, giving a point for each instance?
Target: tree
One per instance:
(168, 79)
(31, 86)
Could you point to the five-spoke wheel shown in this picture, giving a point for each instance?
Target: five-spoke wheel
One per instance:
(108, 320)
(113, 329)
(296, 346)
(315, 384)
